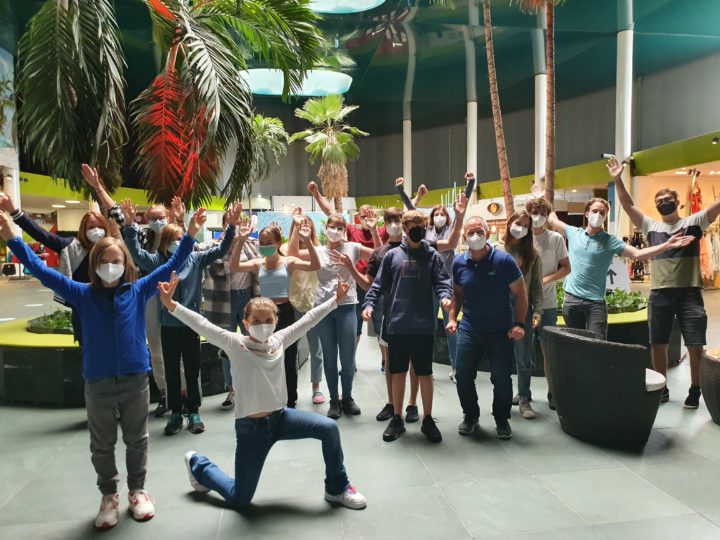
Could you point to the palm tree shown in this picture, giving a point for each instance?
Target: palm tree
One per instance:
(533, 6)
(270, 141)
(332, 140)
(497, 112)
(71, 88)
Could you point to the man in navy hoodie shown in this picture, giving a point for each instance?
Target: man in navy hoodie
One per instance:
(409, 276)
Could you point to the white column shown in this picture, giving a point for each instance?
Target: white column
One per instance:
(407, 102)
(471, 90)
(407, 156)
(11, 187)
(623, 106)
(540, 70)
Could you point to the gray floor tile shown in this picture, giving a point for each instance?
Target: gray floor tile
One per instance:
(587, 532)
(669, 528)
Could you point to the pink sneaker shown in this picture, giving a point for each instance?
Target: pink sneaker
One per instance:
(141, 505)
(318, 397)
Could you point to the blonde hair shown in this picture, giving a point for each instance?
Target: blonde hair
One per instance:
(82, 235)
(131, 273)
(260, 302)
(168, 236)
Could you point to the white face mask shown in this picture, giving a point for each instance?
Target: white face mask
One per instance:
(596, 219)
(173, 246)
(538, 220)
(261, 332)
(95, 235)
(110, 272)
(439, 220)
(334, 234)
(518, 231)
(394, 229)
(157, 225)
(476, 241)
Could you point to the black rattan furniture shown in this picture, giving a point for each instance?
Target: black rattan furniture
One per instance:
(710, 382)
(599, 388)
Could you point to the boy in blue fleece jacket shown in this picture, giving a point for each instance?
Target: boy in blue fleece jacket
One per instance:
(409, 276)
(115, 359)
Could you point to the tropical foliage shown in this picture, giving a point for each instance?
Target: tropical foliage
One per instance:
(71, 89)
(7, 100)
(270, 142)
(331, 140)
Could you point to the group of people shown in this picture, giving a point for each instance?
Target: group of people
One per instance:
(401, 276)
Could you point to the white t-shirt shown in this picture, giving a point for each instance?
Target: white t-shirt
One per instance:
(328, 272)
(551, 247)
(258, 369)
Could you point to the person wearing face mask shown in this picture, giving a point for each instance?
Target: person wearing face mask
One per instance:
(338, 330)
(591, 251)
(409, 277)
(111, 309)
(261, 417)
(518, 242)
(274, 271)
(442, 234)
(555, 265)
(487, 282)
(179, 343)
(366, 234)
(675, 283)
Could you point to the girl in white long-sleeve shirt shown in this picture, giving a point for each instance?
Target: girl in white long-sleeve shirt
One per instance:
(261, 419)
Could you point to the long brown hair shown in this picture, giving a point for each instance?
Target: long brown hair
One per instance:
(82, 235)
(131, 273)
(167, 236)
(526, 252)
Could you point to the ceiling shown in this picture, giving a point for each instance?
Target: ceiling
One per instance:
(667, 33)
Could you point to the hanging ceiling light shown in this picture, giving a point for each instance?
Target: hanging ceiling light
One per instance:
(318, 82)
(337, 7)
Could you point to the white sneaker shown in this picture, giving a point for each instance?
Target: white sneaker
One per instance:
(197, 486)
(107, 516)
(141, 505)
(350, 498)
(526, 410)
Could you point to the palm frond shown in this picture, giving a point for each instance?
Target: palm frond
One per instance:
(533, 6)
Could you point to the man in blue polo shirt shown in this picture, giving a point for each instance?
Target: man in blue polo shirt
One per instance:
(484, 279)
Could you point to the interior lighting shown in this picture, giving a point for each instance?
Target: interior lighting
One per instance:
(72, 202)
(573, 191)
(338, 7)
(715, 140)
(59, 206)
(318, 82)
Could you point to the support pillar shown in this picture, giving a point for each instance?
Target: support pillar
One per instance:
(471, 91)
(11, 187)
(407, 102)
(540, 70)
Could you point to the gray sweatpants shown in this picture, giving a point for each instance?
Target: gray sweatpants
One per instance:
(130, 394)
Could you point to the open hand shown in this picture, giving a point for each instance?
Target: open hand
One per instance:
(234, 214)
(460, 205)
(305, 231)
(197, 221)
(371, 220)
(678, 241)
(340, 259)
(177, 209)
(129, 211)
(342, 289)
(167, 290)
(6, 226)
(91, 176)
(244, 228)
(538, 191)
(6, 204)
(298, 217)
(614, 168)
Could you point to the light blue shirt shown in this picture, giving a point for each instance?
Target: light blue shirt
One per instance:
(590, 259)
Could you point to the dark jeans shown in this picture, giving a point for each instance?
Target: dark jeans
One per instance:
(181, 344)
(255, 438)
(286, 317)
(470, 349)
(586, 315)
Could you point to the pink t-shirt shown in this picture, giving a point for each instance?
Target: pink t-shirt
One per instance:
(364, 237)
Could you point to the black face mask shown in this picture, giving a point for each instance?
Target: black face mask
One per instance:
(666, 207)
(416, 234)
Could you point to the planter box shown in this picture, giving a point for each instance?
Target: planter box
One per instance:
(36, 326)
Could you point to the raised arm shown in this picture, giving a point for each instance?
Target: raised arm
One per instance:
(713, 211)
(144, 259)
(452, 240)
(92, 178)
(35, 231)
(322, 202)
(243, 232)
(371, 222)
(219, 251)
(303, 231)
(676, 241)
(616, 169)
(470, 184)
(400, 187)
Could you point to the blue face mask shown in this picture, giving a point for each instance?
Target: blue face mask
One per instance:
(173, 246)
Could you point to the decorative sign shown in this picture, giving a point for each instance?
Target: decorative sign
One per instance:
(494, 208)
(618, 276)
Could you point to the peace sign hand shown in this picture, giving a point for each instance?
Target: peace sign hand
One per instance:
(167, 290)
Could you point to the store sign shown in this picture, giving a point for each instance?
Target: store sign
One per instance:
(618, 276)
(494, 208)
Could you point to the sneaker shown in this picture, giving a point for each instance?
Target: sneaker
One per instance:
(351, 498)
(141, 505)
(504, 431)
(107, 516)
(334, 411)
(386, 414)
(468, 426)
(229, 402)
(317, 397)
(174, 424)
(516, 400)
(665, 395)
(526, 410)
(430, 429)
(411, 414)
(394, 429)
(453, 377)
(349, 406)
(161, 409)
(551, 402)
(197, 486)
(185, 411)
(195, 424)
(693, 399)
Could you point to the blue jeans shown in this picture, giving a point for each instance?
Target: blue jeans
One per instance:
(315, 349)
(451, 338)
(337, 334)
(470, 349)
(255, 438)
(524, 349)
(238, 300)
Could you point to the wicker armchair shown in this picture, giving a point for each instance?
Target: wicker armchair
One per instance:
(599, 388)
(710, 382)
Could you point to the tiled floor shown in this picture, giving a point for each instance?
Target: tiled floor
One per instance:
(542, 484)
